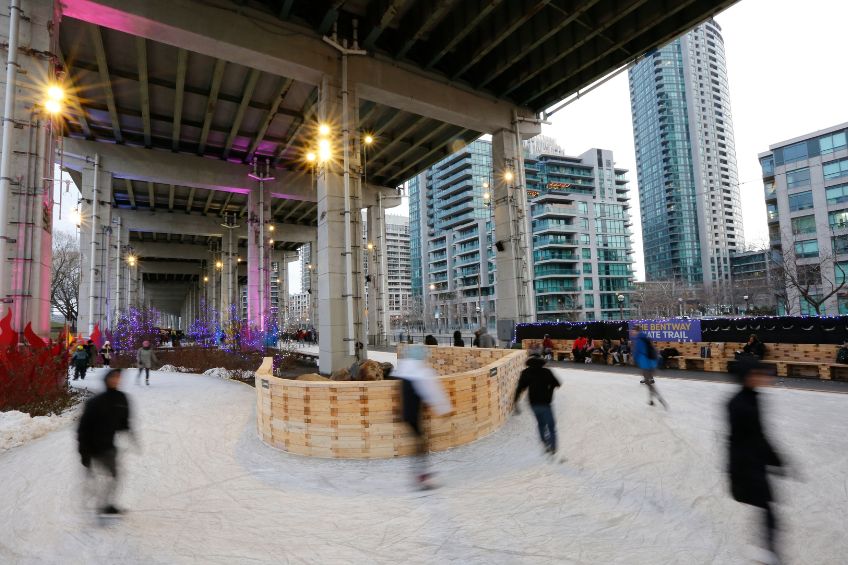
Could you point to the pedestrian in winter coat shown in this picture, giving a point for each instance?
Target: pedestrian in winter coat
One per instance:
(80, 362)
(750, 452)
(540, 383)
(145, 358)
(106, 353)
(484, 339)
(430, 340)
(548, 347)
(646, 358)
(457, 339)
(104, 416)
(91, 351)
(579, 349)
(420, 387)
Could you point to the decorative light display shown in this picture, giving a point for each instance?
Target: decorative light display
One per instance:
(135, 325)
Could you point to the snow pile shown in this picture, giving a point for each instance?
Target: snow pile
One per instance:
(17, 428)
(218, 372)
(175, 369)
(222, 373)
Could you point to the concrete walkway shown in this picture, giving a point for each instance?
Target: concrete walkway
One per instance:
(639, 486)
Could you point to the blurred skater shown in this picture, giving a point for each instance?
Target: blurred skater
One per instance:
(541, 383)
(145, 357)
(751, 456)
(80, 362)
(103, 416)
(645, 357)
(420, 385)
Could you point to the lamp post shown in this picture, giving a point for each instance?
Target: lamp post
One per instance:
(746, 298)
(680, 304)
(432, 299)
(620, 299)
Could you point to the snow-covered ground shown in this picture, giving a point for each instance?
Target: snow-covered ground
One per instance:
(639, 486)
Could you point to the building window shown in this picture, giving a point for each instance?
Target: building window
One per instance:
(840, 272)
(587, 267)
(837, 194)
(589, 300)
(807, 248)
(767, 164)
(804, 224)
(838, 219)
(795, 152)
(807, 308)
(835, 169)
(582, 207)
(771, 211)
(801, 201)
(586, 253)
(587, 284)
(842, 303)
(840, 244)
(798, 178)
(833, 142)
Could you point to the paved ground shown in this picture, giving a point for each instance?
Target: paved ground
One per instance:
(639, 486)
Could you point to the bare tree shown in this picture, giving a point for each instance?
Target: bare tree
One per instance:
(65, 281)
(813, 279)
(661, 299)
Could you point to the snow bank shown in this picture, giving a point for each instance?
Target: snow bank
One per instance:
(17, 428)
(222, 373)
(175, 369)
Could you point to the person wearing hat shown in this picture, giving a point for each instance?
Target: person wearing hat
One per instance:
(751, 455)
(106, 353)
(80, 362)
(145, 358)
(484, 339)
(103, 416)
(540, 383)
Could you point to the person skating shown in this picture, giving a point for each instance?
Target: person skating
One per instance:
(540, 383)
(106, 352)
(751, 455)
(80, 362)
(145, 358)
(91, 351)
(420, 386)
(646, 358)
(484, 339)
(104, 416)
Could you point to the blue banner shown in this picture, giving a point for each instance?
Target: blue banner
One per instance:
(670, 330)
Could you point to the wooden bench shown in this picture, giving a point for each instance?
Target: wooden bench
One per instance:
(562, 349)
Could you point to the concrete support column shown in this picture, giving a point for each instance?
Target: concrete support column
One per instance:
(339, 230)
(513, 284)
(95, 211)
(283, 290)
(312, 284)
(257, 274)
(26, 163)
(378, 313)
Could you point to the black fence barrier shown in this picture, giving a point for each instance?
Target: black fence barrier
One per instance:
(770, 329)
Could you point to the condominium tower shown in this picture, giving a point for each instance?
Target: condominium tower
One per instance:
(581, 240)
(686, 161)
(806, 191)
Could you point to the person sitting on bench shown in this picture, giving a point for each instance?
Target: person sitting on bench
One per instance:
(754, 348)
(621, 352)
(548, 347)
(580, 350)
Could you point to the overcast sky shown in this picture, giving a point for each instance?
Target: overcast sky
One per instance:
(787, 78)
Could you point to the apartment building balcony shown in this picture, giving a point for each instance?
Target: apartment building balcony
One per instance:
(457, 220)
(467, 236)
(550, 271)
(554, 210)
(466, 196)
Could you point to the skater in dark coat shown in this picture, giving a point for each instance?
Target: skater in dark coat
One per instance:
(750, 453)
(540, 383)
(80, 362)
(104, 416)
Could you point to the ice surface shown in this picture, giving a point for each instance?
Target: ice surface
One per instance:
(639, 486)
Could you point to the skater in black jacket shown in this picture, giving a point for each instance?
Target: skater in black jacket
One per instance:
(104, 416)
(751, 455)
(541, 383)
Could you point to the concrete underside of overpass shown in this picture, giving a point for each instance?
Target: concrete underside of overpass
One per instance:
(188, 125)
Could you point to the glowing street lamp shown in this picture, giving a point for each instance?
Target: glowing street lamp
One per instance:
(369, 139)
(55, 95)
(310, 157)
(219, 264)
(323, 130)
(508, 176)
(131, 260)
(370, 246)
(324, 151)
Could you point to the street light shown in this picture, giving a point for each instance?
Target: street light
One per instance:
(620, 299)
(680, 303)
(746, 298)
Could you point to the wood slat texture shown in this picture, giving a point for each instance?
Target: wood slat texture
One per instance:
(362, 420)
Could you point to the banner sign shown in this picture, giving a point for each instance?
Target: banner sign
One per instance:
(670, 330)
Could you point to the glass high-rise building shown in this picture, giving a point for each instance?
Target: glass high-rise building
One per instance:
(582, 255)
(686, 161)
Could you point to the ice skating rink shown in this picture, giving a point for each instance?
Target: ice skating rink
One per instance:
(639, 486)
